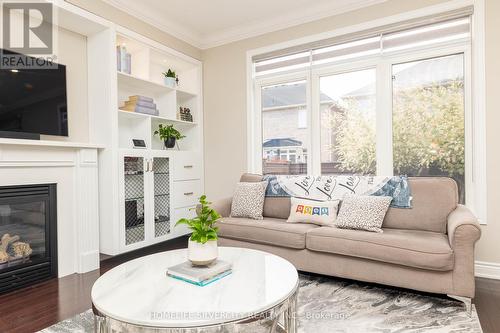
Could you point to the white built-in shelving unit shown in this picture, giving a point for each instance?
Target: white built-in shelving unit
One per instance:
(143, 192)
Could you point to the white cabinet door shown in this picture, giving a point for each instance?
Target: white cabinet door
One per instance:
(134, 203)
(161, 190)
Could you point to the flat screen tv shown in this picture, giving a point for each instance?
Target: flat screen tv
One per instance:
(33, 101)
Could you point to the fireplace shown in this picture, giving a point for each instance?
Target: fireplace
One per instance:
(28, 250)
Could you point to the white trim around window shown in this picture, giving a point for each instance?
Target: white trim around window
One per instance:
(474, 71)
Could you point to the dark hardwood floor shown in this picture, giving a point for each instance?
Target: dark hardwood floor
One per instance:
(40, 306)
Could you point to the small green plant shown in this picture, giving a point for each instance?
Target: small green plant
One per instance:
(203, 225)
(170, 73)
(166, 132)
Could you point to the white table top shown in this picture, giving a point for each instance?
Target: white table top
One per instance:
(139, 292)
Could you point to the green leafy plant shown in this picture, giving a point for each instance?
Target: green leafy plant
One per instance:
(168, 131)
(203, 225)
(428, 132)
(170, 73)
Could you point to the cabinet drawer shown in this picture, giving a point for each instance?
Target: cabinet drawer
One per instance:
(187, 166)
(186, 193)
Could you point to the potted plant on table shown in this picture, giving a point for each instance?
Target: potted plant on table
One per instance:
(202, 245)
(170, 78)
(169, 135)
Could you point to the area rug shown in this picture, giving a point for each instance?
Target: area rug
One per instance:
(329, 305)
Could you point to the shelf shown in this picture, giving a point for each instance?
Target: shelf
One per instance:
(155, 87)
(140, 83)
(134, 173)
(185, 94)
(136, 115)
(134, 199)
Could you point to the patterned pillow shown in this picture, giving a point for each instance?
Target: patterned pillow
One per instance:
(312, 211)
(248, 200)
(363, 212)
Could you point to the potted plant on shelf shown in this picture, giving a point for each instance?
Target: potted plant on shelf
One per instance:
(202, 245)
(170, 78)
(169, 135)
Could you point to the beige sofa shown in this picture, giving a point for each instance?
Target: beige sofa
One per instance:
(429, 247)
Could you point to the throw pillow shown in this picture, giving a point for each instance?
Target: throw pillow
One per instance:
(248, 200)
(312, 211)
(363, 212)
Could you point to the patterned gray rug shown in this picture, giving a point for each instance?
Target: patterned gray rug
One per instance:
(328, 305)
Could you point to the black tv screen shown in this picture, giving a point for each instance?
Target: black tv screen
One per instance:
(33, 100)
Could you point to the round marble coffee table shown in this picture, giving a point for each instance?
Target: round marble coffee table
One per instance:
(137, 296)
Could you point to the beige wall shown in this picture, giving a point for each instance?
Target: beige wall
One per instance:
(112, 14)
(488, 248)
(225, 105)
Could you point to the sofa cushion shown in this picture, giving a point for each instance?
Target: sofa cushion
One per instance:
(311, 211)
(250, 178)
(248, 200)
(363, 212)
(434, 198)
(267, 231)
(277, 207)
(420, 249)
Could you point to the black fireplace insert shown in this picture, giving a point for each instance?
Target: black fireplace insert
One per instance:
(28, 235)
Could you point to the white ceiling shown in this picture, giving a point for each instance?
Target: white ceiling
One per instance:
(209, 23)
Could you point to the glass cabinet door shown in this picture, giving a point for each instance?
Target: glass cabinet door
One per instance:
(134, 199)
(161, 200)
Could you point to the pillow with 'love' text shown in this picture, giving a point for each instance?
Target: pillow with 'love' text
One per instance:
(311, 211)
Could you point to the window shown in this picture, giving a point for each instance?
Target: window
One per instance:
(348, 119)
(428, 124)
(285, 135)
(396, 102)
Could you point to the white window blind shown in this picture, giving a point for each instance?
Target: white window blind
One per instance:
(447, 28)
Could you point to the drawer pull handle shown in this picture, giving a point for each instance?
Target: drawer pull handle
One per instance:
(188, 167)
(188, 193)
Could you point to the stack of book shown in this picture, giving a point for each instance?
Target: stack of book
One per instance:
(200, 275)
(140, 104)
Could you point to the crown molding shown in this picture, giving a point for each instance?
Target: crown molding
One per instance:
(246, 31)
(280, 22)
(167, 26)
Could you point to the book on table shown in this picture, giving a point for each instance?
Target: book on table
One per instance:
(200, 275)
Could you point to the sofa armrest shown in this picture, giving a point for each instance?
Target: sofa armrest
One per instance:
(223, 206)
(463, 232)
(463, 227)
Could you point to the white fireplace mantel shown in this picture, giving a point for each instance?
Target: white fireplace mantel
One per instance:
(49, 143)
(74, 168)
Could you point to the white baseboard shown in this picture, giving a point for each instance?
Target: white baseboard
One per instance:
(88, 261)
(489, 270)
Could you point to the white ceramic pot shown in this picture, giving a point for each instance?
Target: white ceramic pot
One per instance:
(202, 254)
(169, 81)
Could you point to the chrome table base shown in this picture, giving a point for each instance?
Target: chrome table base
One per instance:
(281, 318)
